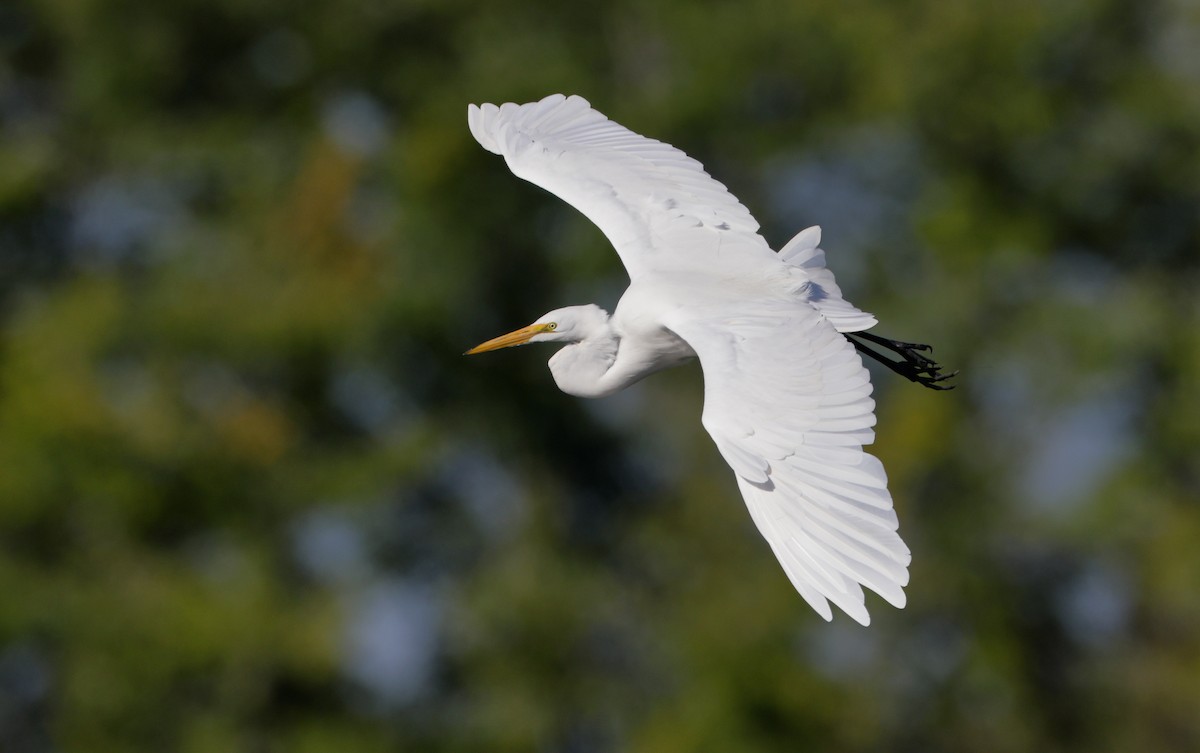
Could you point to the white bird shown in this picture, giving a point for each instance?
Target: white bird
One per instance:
(786, 397)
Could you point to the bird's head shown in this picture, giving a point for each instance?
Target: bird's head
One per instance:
(570, 325)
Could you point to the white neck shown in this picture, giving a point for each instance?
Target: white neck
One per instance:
(584, 369)
(602, 362)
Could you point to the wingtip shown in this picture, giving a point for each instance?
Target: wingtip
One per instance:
(482, 119)
(859, 615)
(478, 120)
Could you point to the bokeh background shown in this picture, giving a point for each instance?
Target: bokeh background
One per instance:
(252, 498)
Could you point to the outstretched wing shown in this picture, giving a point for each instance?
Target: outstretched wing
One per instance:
(656, 205)
(788, 402)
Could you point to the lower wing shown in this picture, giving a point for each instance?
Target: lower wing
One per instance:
(788, 403)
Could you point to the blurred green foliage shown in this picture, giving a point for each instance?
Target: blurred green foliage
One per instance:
(253, 499)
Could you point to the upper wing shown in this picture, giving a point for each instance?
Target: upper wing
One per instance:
(787, 400)
(655, 204)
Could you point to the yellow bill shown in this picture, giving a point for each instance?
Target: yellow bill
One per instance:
(517, 337)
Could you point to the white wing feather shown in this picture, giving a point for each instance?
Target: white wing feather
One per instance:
(656, 205)
(788, 403)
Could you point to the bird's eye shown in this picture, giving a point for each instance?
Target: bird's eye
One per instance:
(552, 326)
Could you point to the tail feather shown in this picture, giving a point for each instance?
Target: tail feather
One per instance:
(820, 289)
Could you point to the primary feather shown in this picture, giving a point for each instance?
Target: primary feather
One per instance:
(646, 196)
(787, 400)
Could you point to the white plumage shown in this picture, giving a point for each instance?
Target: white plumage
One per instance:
(787, 399)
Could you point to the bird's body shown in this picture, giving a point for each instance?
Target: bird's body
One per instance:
(787, 399)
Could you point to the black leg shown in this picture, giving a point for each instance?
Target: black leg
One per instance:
(914, 365)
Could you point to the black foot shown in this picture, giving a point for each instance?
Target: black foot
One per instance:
(913, 364)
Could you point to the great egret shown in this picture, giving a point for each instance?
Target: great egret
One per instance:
(786, 397)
